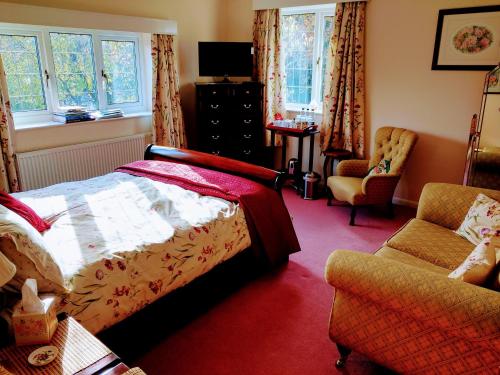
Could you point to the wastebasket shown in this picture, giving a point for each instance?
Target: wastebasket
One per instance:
(311, 181)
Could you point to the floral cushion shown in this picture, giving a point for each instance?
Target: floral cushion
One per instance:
(483, 216)
(381, 168)
(481, 262)
(29, 242)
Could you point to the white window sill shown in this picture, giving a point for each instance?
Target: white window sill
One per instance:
(294, 109)
(49, 124)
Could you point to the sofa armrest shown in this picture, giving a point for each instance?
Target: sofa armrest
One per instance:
(461, 309)
(353, 168)
(381, 187)
(447, 204)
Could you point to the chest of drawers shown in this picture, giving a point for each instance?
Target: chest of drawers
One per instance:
(229, 120)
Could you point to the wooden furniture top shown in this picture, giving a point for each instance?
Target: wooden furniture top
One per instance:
(266, 176)
(80, 352)
(313, 129)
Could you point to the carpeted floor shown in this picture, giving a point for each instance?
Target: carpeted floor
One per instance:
(276, 323)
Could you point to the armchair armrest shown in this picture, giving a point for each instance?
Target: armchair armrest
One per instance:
(380, 187)
(447, 204)
(353, 168)
(461, 309)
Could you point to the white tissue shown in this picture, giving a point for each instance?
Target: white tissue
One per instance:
(30, 301)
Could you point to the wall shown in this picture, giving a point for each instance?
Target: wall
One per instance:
(403, 91)
(196, 19)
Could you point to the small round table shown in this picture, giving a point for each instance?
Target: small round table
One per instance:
(330, 156)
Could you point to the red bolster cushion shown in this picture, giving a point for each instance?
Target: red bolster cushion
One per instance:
(15, 205)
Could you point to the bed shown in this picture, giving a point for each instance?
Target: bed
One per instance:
(120, 241)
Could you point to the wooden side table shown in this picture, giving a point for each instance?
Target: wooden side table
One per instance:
(300, 134)
(332, 155)
(80, 353)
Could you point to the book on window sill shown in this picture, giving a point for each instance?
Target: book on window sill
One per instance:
(110, 113)
(67, 118)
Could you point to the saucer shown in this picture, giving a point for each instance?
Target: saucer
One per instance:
(43, 356)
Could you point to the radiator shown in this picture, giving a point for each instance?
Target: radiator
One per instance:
(78, 162)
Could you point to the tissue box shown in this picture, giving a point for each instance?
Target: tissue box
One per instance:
(35, 328)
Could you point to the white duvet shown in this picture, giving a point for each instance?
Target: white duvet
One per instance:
(123, 241)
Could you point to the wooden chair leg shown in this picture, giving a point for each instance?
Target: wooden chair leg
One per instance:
(353, 215)
(329, 195)
(344, 353)
(390, 210)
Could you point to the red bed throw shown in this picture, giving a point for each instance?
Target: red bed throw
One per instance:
(268, 221)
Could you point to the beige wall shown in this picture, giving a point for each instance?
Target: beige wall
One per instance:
(403, 91)
(197, 20)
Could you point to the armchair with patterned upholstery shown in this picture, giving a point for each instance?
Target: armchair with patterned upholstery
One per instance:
(354, 184)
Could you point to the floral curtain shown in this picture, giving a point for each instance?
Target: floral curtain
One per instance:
(344, 101)
(168, 123)
(9, 181)
(267, 62)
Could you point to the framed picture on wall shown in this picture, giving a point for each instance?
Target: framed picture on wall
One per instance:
(467, 39)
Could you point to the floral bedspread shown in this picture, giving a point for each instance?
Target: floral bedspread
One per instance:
(123, 241)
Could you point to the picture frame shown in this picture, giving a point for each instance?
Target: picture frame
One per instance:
(467, 39)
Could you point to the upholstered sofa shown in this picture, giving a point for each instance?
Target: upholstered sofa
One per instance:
(399, 308)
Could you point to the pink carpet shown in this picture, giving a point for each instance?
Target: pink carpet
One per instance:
(277, 323)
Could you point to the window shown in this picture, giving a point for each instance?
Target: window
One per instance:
(120, 71)
(306, 33)
(48, 69)
(23, 71)
(74, 70)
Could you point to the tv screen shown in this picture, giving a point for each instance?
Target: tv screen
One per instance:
(225, 59)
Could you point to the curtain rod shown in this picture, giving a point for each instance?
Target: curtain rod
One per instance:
(273, 4)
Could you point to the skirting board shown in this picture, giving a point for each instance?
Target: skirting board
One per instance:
(405, 202)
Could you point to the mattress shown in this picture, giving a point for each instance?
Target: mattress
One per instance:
(123, 241)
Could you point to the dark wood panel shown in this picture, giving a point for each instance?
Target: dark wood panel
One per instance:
(231, 112)
(267, 176)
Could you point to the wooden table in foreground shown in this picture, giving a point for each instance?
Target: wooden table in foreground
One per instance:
(80, 353)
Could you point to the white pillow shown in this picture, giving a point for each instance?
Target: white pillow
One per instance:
(482, 218)
(29, 242)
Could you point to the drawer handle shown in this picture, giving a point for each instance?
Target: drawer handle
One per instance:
(214, 122)
(247, 92)
(247, 152)
(214, 92)
(247, 121)
(215, 137)
(247, 136)
(214, 106)
(247, 106)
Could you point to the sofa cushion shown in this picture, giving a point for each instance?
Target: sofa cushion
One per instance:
(483, 216)
(347, 189)
(390, 253)
(432, 243)
(479, 265)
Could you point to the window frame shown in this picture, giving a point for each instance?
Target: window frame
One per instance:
(320, 12)
(42, 34)
(29, 116)
(139, 64)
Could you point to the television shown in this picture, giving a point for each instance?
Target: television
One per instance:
(225, 59)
